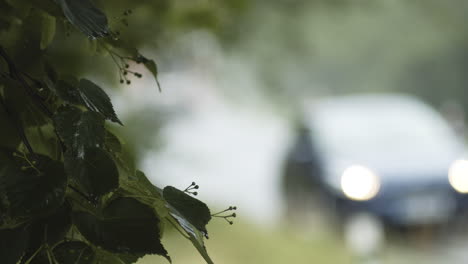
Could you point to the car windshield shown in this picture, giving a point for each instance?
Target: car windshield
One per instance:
(394, 127)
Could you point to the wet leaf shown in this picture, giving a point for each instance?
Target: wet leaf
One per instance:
(74, 252)
(67, 92)
(79, 130)
(95, 172)
(12, 244)
(32, 191)
(193, 210)
(139, 186)
(190, 232)
(125, 225)
(97, 100)
(86, 17)
(112, 142)
(190, 216)
(105, 257)
(49, 230)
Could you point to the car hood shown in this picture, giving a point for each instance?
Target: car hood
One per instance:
(406, 167)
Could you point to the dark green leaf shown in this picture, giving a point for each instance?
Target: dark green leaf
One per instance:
(193, 210)
(151, 66)
(49, 230)
(47, 30)
(52, 228)
(97, 100)
(50, 72)
(12, 244)
(74, 252)
(22, 106)
(95, 172)
(8, 133)
(139, 185)
(105, 257)
(186, 228)
(112, 142)
(67, 92)
(86, 17)
(79, 130)
(126, 226)
(32, 187)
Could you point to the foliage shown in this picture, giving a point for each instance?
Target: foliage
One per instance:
(68, 193)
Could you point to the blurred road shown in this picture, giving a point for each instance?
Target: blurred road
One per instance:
(453, 249)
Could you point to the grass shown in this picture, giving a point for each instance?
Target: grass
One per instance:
(250, 244)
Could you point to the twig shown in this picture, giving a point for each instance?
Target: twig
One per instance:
(86, 197)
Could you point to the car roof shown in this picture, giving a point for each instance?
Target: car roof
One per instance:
(362, 102)
(387, 131)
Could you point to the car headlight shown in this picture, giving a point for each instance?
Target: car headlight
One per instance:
(359, 183)
(458, 175)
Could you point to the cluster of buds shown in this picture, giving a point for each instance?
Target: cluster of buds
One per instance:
(122, 64)
(191, 188)
(226, 215)
(123, 20)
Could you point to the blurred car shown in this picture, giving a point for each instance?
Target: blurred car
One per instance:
(390, 157)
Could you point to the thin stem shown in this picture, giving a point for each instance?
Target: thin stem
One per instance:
(34, 255)
(81, 193)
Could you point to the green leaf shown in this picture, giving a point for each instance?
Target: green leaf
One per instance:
(193, 210)
(124, 226)
(21, 105)
(190, 232)
(53, 228)
(67, 92)
(95, 171)
(104, 257)
(112, 142)
(49, 230)
(97, 100)
(151, 66)
(79, 130)
(43, 140)
(12, 244)
(32, 186)
(9, 134)
(190, 216)
(74, 252)
(139, 186)
(48, 30)
(86, 17)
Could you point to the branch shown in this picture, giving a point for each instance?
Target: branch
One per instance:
(86, 197)
(18, 125)
(16, 74)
